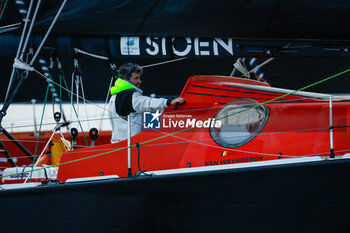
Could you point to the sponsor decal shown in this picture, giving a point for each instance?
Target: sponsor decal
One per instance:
(19, 175)
(232, 161)
(179, 46)
(130, 46)
(226, 153)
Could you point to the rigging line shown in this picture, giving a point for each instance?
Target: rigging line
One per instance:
(52, 97)
(8, 29)
(104, 107)
(30, 29)
(47, 124)
(94, 119)
(60, 77)
(107, 118)
(41, 121)
(71, 98)
(11, 25)
(49, 166)
(19, 49)
(22, 140)
(291, 93)
(68, 91)
(259, 104)
(144, 66)
(2, 9)
(83, 93)
(261, 65)
(76, 114)
(207, 139)
(47, 33)
(189, 141)
(145, 18)
(178, 111)
(274, 13)
(91, 54)
(2, 1)
(164, 62)
(310, 155)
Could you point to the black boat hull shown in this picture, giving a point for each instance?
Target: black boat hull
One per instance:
(308, 197)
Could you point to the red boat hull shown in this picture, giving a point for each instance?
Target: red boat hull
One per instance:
(296, 126)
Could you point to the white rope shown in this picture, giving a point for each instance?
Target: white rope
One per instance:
(165, 62)
(90, 54)
(106, 58)
(77, 80)
(84, 100)
(10, 27)
(22, 65)
(71, 98)
(261, 65)
(239, 65)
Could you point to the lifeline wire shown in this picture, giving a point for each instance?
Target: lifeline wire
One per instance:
(179, 111)
(209, 139)
(158, 138)
(318, 154)
(206, 108)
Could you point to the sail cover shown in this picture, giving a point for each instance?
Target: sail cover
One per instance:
(150, 31)
(297, 19)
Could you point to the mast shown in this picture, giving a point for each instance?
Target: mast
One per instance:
(21, 69)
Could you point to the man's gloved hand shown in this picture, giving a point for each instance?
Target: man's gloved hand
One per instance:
(178, 101)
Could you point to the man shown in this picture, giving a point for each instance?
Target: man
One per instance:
(127, 99)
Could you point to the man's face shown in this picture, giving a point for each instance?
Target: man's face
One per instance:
(135, 79)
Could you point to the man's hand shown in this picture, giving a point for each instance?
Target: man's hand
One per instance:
(178, 101)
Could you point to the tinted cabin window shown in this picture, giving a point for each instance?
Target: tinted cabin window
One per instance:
(241, 120)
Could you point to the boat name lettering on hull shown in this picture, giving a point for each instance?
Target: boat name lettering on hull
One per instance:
(232, 161)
